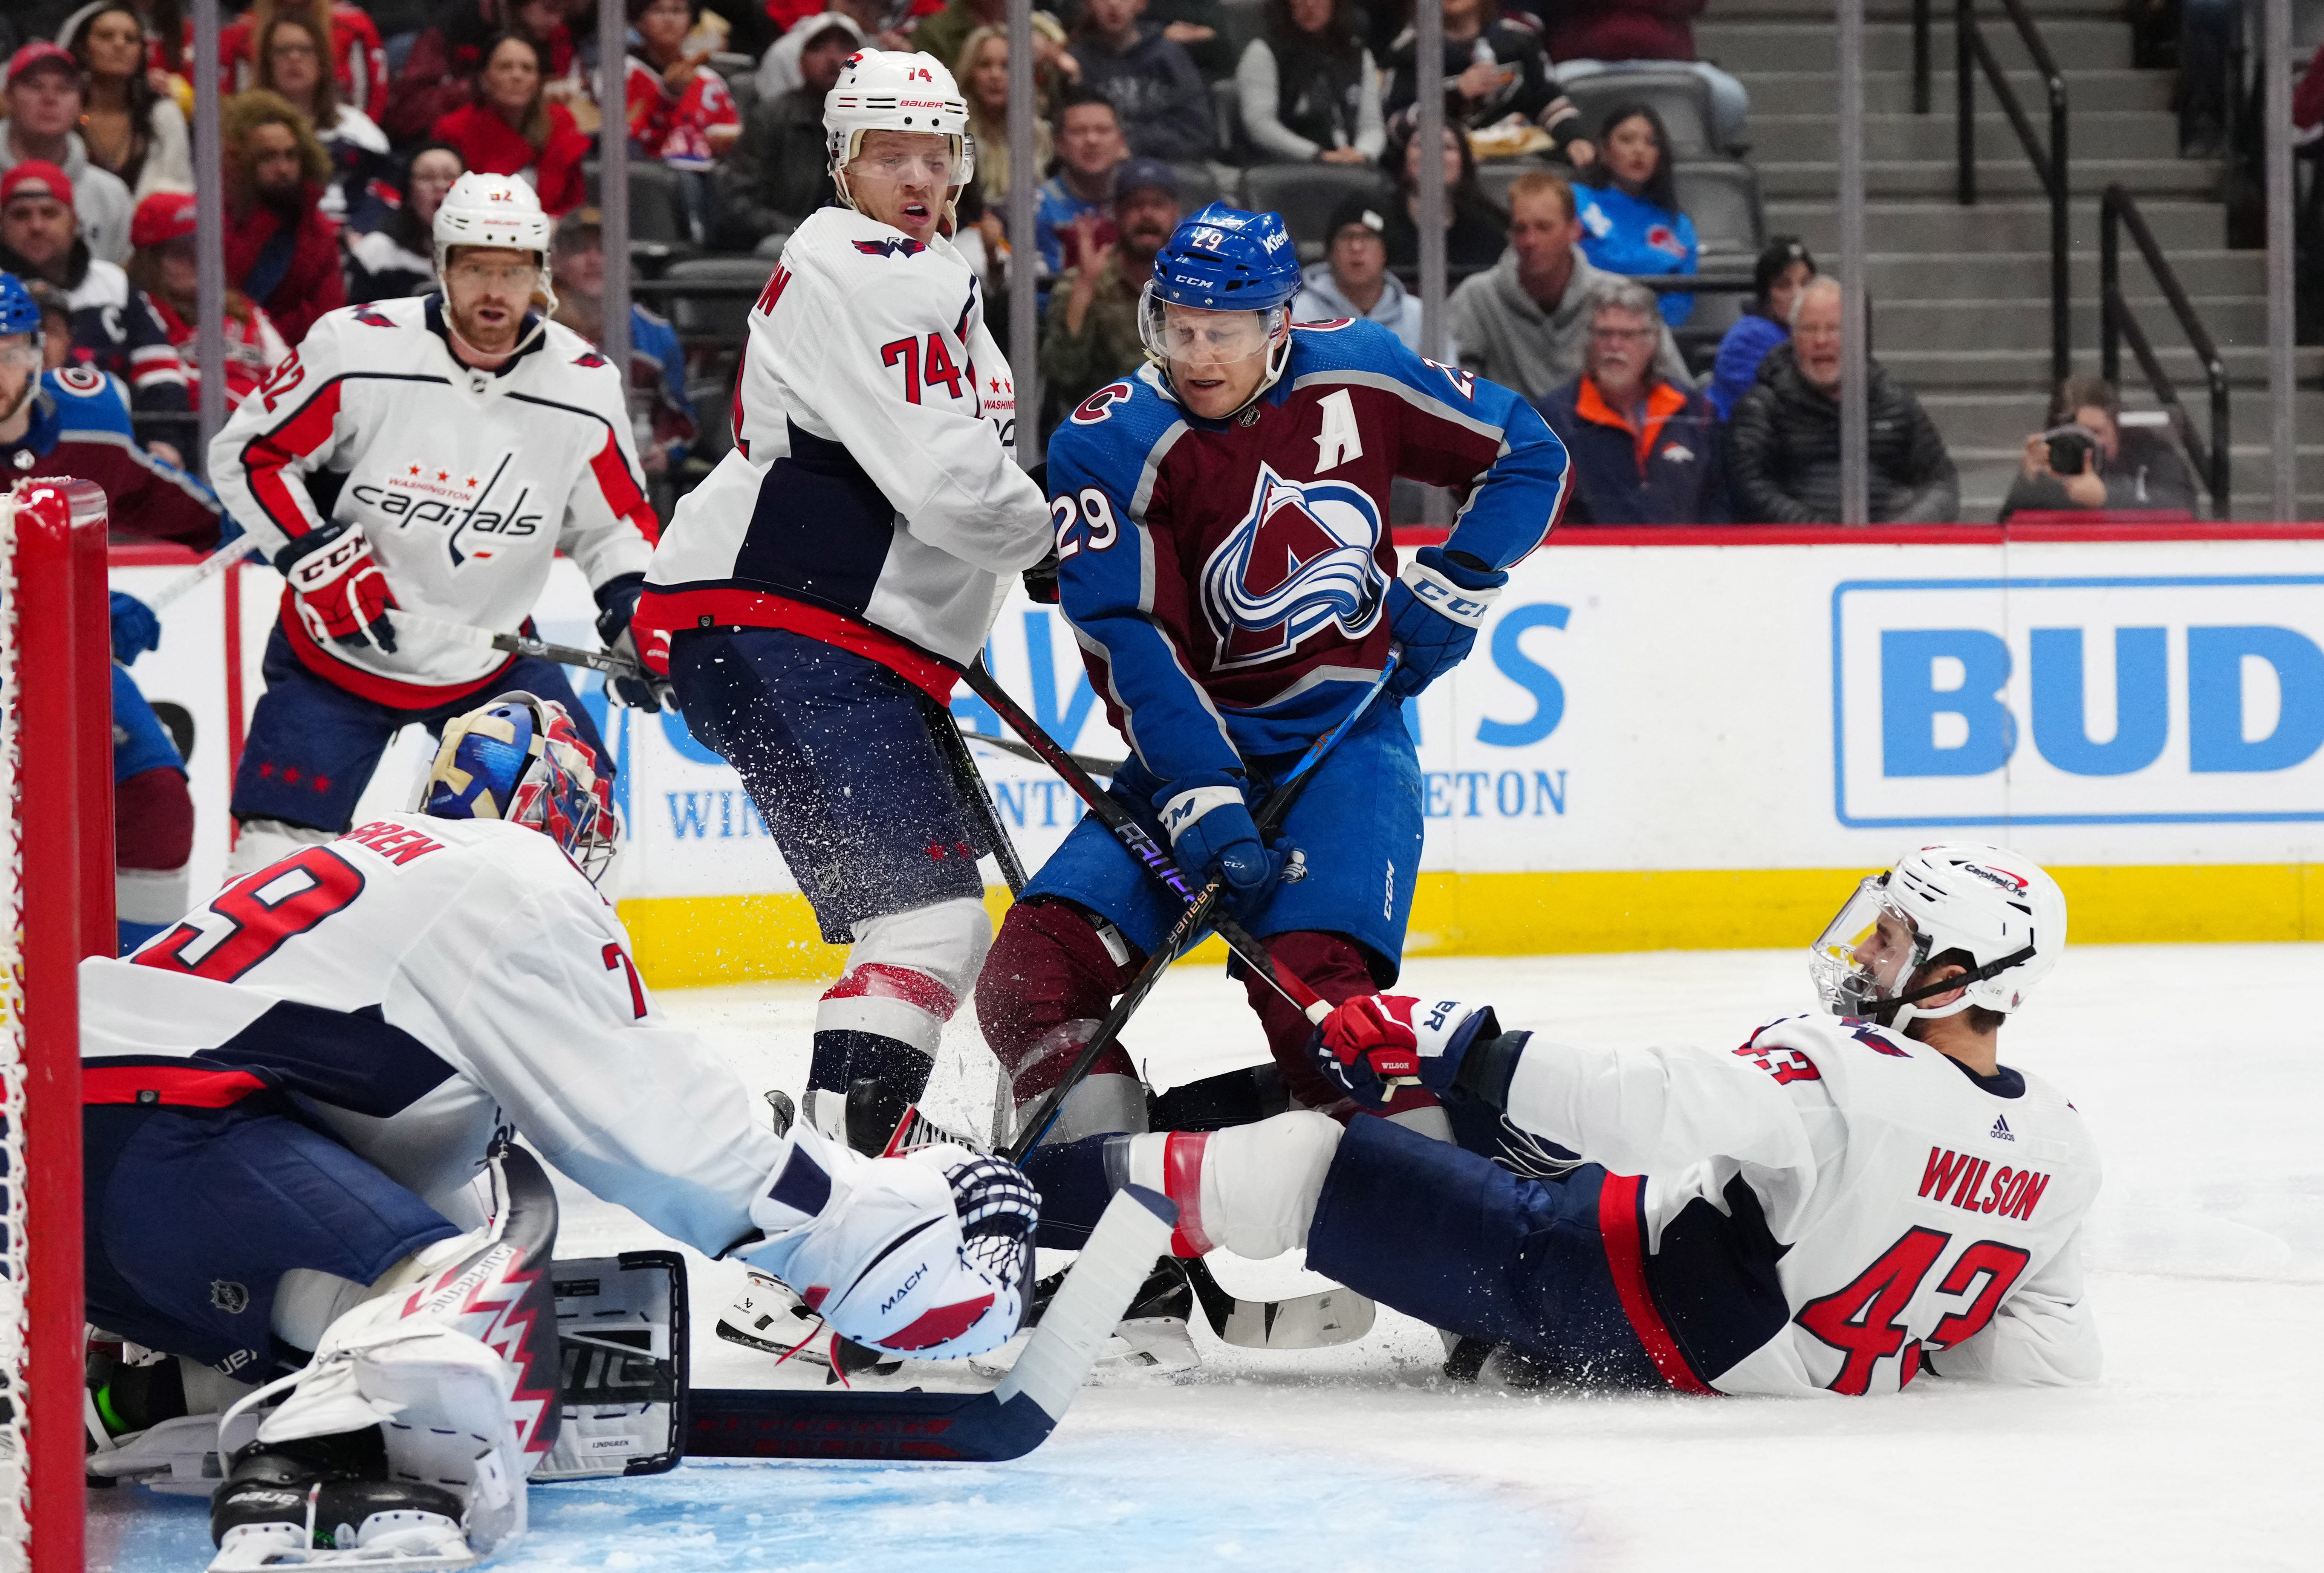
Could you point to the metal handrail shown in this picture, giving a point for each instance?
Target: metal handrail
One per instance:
(1971, 50)
(2118, 209)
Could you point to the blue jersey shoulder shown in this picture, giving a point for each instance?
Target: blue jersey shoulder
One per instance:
(1108, 435)
(1326, 348)
(86, 400)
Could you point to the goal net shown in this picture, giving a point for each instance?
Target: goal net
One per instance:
(56, 879)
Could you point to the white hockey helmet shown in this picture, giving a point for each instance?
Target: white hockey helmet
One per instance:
(890, 91)
(1994, 905)
(495, 210)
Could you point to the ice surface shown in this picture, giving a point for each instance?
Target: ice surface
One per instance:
(2198, 1066)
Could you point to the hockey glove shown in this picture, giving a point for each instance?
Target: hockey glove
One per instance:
(1379, 1038)
(1212, 833)
(617, 603)
(135, 629)
(1435, 609)
(1041, 582)
(342, 595)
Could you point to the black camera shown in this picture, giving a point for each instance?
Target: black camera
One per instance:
(2073, 450)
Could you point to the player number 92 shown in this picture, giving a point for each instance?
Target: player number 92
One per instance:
(1091, 512)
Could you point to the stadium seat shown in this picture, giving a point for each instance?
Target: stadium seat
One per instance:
(1307, 194)
(1681, 97)
(1496, 176)
(1241, 21)
(727, 314)
(1226, 108)
(1198, 185)
(1722, 197)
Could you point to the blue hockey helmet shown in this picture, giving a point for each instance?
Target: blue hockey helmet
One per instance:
(19, 312)
(1224, 260)
(521, 759)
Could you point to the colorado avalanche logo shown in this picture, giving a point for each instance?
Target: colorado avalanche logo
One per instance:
(1300, 559)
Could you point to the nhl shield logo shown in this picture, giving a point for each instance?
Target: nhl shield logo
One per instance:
(1300, 559)
(228, 1296)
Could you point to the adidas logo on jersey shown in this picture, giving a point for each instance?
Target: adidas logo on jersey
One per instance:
(2000, 1131)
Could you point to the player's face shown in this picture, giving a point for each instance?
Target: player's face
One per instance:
(488, 290)
(1885, 955)
(901, 177)
(37, 228)
(1216, 358)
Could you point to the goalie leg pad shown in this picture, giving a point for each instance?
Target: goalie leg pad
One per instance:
(1249, 1189)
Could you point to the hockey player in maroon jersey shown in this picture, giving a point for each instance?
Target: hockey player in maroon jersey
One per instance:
(1222, 521)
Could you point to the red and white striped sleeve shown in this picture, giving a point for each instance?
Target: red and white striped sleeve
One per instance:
(289, 428)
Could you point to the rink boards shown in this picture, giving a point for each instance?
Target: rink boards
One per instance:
(1666, 739)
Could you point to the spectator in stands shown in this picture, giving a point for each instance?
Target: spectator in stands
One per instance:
(391, 241)
(1307, 86)
(169, 32)
(359, 57)
(779, 171)
(1353, 280)
(660, 408)
(510, 129)
(680, 111)
(778, 68)
(129, 126)
(439, 75)
(1586, 37)
(1161, 97)
(946, 35)
(1476, 232)
(2116, 469)
(1091, 337)
(2207, 28)
(44, 105)
(164, 267)
(1089, 148)
(281, 252)
(56, 327)
(291, 62)
(1782, 266)
(1630, 219)
(1645, 451)
(1527, 323)
(1782, 447)
(1495, 75)
(114, 327)
(981, 70)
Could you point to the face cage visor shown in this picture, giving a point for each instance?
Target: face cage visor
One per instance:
(1188, 339)
(1859, 965)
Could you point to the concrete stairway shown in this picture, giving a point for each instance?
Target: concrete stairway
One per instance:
(1960, 295)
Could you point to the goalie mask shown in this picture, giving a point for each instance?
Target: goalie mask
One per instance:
(1998, 909)
(521, 759)
(928, 1256)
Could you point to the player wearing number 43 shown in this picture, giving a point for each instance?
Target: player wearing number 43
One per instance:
(1224, 557)
(296, 1103)
(816, 598)
(1844, 1202)
(431, 455)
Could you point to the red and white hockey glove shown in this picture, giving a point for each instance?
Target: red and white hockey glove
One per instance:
(1377, 1040)
(342, 595)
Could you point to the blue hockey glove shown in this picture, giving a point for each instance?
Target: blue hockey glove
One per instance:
(617, 602)
(135, 629)
(1211, 833)
(1376, 1040)
(1435, 609)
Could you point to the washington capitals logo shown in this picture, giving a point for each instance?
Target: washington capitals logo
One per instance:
(1301, 559)
(890, 248)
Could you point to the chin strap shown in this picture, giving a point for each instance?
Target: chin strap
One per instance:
(1884, 1011)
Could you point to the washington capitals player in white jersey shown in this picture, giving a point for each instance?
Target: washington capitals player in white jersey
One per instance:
(470, 439)
(1224, 557)
(1841, 1204)
(295, 1106)
(816, 598)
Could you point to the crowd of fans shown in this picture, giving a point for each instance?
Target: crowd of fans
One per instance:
(344, 127)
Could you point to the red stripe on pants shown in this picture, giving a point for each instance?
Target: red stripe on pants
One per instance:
(1622, 1226)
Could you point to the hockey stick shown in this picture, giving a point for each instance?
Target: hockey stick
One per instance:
(1189, 925)
(1090, 762)
(1007, 1422)
(518, 644)
(220, 559)
(972, 784)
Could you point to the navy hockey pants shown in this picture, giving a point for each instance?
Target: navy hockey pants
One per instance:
(313, 745)
(1452, 1238)
(840, 757)
(191, 1217)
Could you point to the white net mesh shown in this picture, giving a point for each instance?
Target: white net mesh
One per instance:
(14, 1516)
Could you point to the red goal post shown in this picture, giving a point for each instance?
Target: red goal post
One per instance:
(56, 740)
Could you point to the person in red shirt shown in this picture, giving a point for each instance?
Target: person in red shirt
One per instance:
(439, 74)
(163, 265)
(359, 57)
(679, 109)
(281, 252)
(510, 129)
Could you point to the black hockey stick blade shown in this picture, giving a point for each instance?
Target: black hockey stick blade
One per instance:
(1089, 763)
(1307, 1322)
(1007, 1422)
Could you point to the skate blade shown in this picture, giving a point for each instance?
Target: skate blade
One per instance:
(1160, 1344)
(1311, 1321)
(811, 1355)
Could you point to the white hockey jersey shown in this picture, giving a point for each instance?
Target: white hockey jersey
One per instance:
(1831, 1208)
(418, 984)
(468, 482)
(870, 499)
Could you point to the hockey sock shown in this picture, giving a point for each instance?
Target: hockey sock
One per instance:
(1335, 967)
(1075, 1180)
(141, 1396)
(1051, 969)
(1215, 1102)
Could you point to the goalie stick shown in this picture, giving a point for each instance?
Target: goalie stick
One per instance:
(1009, 1422)
(1191, 921)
